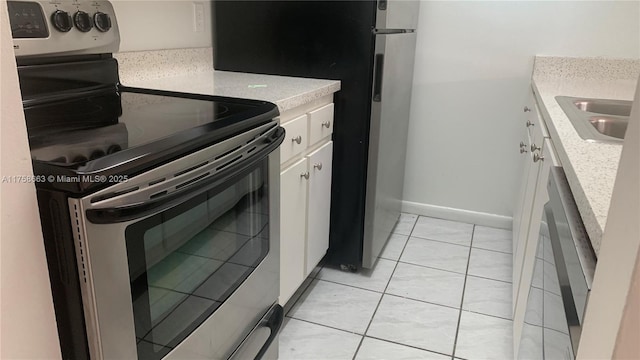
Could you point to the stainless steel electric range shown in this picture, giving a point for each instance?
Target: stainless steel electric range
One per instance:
(157, 207)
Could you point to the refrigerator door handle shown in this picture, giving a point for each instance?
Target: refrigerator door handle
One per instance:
(377, 80)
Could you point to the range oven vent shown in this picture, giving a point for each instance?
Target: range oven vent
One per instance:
(80, 242)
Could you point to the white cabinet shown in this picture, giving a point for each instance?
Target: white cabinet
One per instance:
(532, 135)
(538, 157)
(293, 208)
(319, 205)
(305, 194)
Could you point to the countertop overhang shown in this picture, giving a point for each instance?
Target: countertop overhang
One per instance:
(591, 167)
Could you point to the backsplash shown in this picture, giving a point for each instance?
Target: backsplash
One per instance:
(595, 68)
(156, 64)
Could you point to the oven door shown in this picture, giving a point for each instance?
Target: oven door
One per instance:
(182, 261)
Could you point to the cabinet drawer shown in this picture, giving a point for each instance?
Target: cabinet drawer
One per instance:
(296, 138)
(320, 123)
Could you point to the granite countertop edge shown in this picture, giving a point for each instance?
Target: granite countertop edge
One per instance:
(285, 92)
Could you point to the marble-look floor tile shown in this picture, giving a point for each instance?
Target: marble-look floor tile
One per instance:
(394, 247)
(340, 306)
(550, 274)
(436, 254)
(557, 345)
(490, 264)
(426, 284)
(534, 311)
(547, 251)
(405, 224)
(531, 343)
(375, 279)
(484, 337)
(443, 230)
(489, 297)
(415, 323)
(374, 349)
(303, 340)
(554, 316)
(538, 274)
(493, 239)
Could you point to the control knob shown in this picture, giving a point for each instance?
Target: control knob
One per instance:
(102, 21)
(61, 20)
(82, 20)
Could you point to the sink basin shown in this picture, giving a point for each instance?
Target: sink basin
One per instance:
(603, 106)
(610, 126)
(599, 120)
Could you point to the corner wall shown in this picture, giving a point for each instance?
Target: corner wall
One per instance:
(472, 75)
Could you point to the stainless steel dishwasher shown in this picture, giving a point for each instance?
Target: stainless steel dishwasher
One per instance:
(563, 274)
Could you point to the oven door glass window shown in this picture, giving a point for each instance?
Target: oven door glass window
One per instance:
(186, 261)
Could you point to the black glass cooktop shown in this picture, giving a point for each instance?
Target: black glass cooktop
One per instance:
(130, 130)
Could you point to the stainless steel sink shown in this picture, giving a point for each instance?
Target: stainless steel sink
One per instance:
(603, 106)
(610, 126)
(602, 120)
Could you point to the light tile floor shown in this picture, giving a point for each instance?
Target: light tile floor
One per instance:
(440, 290)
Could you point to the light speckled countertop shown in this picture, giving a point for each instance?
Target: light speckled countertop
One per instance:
(590, 167)
(286, 92)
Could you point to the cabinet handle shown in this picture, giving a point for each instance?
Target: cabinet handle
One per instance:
(326, 124)
(523, 150)
(537, 157)
(297, 139)
(305, 175)
(522, 144)
(526, 109)
(534, 147)
(318, 166)
(529, 123)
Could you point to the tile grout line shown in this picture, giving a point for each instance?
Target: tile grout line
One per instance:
(384, 291)
(464, 287)
(405, 345)
(326, 326)
(452, 243)
(418, 300)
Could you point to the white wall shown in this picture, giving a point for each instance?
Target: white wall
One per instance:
(162, 24)
(472, 75)
(27, 320)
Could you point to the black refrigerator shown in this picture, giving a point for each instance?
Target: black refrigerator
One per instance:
(369, 46)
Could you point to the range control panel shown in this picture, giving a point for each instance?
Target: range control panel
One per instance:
(27, 20)
(63, 27)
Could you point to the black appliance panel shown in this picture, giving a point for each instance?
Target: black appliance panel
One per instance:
(316, 39)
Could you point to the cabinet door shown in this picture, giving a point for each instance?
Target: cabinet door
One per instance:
(527, 257)
(525, 168)
(293, 205)
(319, 205)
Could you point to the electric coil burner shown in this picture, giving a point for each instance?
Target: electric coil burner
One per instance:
(157, 207)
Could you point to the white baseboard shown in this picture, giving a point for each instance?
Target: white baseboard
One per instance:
(467, 216)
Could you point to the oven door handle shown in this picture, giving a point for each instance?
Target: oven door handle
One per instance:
(157, 204)
(272, 322)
